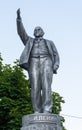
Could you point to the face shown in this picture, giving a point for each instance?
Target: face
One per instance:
(38, 32)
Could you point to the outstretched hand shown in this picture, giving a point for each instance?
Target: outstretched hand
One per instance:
(18, 13)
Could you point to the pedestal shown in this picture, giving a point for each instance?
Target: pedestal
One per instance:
(41, 121)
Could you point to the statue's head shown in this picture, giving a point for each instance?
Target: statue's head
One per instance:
(38, 32)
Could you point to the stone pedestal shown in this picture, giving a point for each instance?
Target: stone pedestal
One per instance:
(41, 121)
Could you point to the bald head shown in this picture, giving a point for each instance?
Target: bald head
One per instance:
(38, 32)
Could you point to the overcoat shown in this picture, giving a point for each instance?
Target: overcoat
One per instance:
(28, 42)
(24, 59)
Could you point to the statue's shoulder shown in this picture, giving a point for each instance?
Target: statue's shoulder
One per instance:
(29, 41)
(49, 41)
(31, 38)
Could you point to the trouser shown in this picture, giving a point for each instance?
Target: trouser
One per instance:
(40, 75)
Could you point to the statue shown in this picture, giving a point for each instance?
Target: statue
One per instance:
(40, 58)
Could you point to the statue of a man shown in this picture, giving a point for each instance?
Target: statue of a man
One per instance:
(40, 58)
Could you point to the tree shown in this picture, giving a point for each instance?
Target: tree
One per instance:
(15, 97)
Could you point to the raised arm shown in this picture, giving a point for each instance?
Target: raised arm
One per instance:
(20, 29)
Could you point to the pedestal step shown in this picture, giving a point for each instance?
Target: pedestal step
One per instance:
(41, 121)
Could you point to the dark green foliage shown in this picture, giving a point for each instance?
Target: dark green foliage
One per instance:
(57, 100)
(15, 98)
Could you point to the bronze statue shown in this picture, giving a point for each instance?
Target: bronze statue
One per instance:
(40, 58)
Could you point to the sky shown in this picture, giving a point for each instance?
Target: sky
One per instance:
(61, 21)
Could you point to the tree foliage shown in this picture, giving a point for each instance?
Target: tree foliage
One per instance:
(15, 97)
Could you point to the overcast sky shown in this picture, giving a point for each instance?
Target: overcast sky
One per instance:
(62, 23)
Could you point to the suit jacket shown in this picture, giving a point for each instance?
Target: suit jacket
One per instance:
(28, 42)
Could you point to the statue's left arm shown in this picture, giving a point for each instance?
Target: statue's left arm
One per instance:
(56, 58)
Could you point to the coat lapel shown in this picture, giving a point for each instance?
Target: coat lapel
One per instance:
(48, 43)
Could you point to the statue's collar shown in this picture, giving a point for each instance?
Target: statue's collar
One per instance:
(38, 38)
